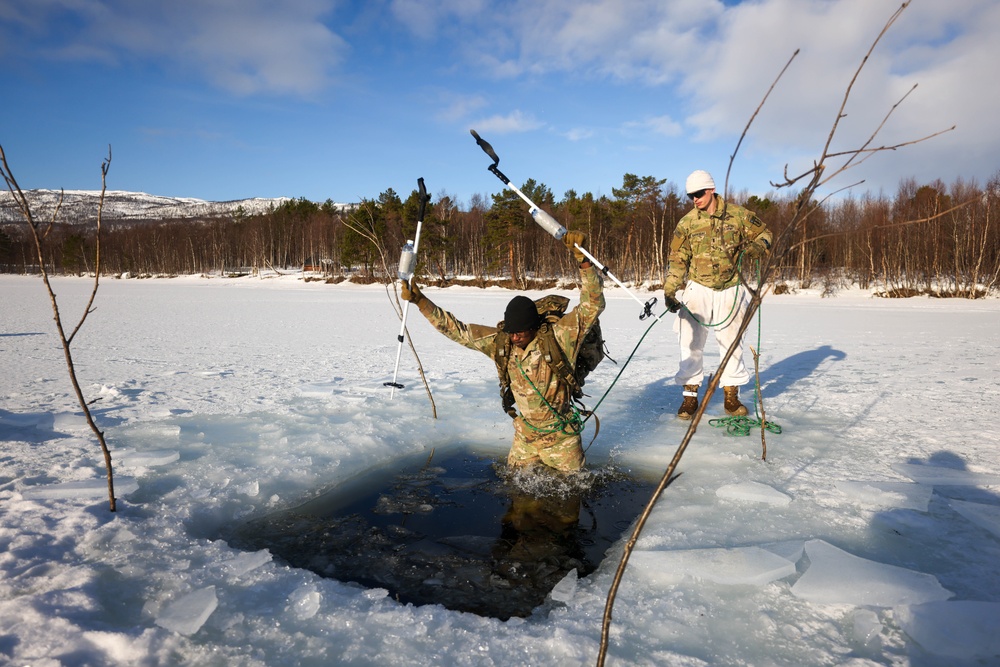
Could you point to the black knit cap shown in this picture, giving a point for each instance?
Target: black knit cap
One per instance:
(521, 315)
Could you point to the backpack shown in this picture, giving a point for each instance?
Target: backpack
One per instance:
(592, 351)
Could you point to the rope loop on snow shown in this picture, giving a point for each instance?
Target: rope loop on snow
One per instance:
(741, 425)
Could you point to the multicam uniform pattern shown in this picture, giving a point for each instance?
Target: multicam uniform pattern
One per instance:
(702, 243)
(544, 403)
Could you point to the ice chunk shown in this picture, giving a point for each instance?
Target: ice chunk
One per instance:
(754, 492)
(156, 457)
(902, 495)
(69, 421)
(837, 577)
(958, 629)
(866, 627)
(186, 615)
(566, 588)
(729, 566)
(984, 516)
(251, 488)
(304, 601)
(87, 488)
(790, 550)
(945, 476)
(246, 561)
(155, 430)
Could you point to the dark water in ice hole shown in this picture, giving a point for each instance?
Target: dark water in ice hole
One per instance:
(458, 529)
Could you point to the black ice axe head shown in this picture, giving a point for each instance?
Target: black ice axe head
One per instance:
(485, 145)
(424, 198)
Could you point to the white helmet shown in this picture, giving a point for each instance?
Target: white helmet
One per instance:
(699, 180)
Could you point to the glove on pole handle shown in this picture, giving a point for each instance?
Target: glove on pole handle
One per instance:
(552, 226)
(424, 198)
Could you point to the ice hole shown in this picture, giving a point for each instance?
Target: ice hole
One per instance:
(457, 528)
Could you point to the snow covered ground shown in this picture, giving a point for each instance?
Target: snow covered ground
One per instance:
(870, 536)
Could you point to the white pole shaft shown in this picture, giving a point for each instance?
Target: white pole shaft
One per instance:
(402, 326)
(603, 269)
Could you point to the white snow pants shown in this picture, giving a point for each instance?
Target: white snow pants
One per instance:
(725, 308)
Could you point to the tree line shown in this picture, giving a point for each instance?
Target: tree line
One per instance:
(926, 239)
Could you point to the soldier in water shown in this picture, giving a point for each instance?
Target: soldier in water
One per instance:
(547, 428)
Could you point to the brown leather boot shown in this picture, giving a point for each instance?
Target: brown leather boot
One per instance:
(690, 403)
(733, 406)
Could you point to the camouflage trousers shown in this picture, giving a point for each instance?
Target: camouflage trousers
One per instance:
(558, 450)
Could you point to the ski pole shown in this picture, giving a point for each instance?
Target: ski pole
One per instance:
(552, 226)
(407, 263)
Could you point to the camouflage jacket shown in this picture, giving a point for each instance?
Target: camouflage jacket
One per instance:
(528, 370)
(704, 247)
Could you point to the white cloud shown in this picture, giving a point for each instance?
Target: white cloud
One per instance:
(662, 125)
(458, 107)
(717, 61)
(244, 46)
(425, 18)
(579, 134)
(515, 121)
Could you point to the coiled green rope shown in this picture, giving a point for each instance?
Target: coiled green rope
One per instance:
(741, 425)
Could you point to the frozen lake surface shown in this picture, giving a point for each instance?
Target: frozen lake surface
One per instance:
(868, 537)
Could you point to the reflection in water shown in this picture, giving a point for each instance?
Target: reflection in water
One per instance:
(460, 530)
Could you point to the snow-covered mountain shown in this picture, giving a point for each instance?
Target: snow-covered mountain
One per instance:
(81, 206)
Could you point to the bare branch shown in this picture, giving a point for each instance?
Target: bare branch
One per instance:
(732, 158)
(804, 206)
(97, 250)
(22, 200)
(904, 223)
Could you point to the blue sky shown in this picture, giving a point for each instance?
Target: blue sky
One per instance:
(330, 99)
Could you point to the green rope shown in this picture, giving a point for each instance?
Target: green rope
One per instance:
(741, 425)
(725, 320)
(571, 424)
(622, 370)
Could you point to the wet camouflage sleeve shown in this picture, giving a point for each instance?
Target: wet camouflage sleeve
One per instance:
(473, 336)
(701, 247)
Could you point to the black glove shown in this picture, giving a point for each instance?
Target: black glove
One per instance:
(671, 302)
(573, 239)
(411, 292)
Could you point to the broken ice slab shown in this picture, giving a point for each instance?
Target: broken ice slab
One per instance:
(305, 601)
(566, 588)
(945, 476)
(245, 561)
(866, 627)
(157, 457)
(88, 488)
(754, 492)
(837, 577)
(789, 549)
(187, 614)
(960, 629)
(154, 430)
(69, 422)
(729, 566)
(901, 495)
(984, 516)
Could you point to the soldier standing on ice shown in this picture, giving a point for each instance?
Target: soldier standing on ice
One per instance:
(707, 248)
(547, 430)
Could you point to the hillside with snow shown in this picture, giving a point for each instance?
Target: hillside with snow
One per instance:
(80, 206)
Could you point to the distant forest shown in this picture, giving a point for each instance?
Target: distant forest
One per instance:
(926, 239)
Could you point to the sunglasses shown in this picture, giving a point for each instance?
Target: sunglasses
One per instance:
(697, 195)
